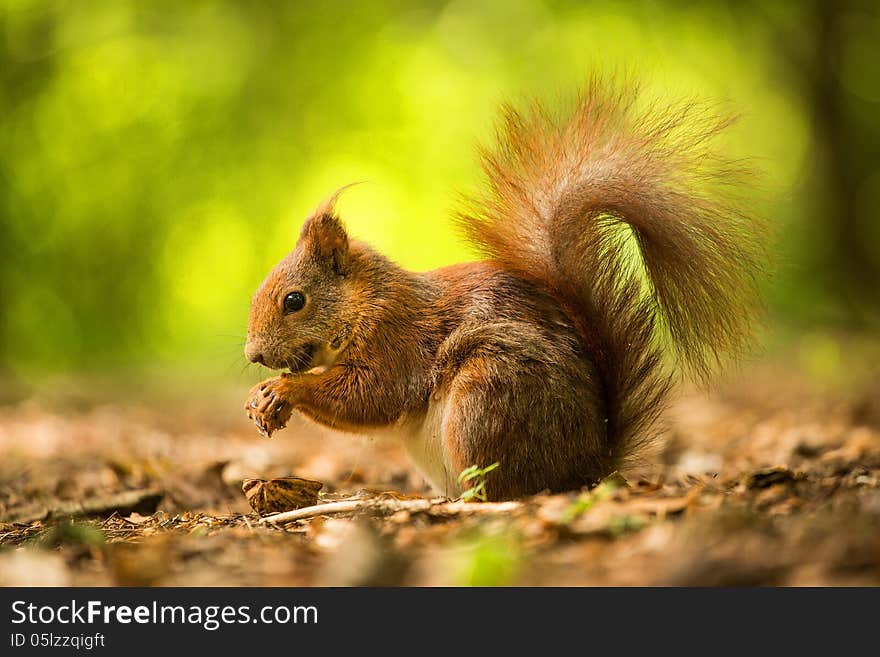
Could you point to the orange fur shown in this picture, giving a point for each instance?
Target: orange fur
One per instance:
(546, 357)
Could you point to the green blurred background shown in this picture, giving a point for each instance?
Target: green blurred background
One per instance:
(157, 157)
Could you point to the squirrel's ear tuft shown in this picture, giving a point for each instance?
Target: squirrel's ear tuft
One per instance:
(325, 237)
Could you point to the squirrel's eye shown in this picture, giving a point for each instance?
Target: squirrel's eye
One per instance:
(293, 302)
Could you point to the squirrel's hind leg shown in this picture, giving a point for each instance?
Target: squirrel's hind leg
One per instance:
(543, 433)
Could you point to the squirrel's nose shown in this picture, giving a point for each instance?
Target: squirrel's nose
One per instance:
(253, 355)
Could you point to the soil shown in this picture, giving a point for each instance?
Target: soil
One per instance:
(765, 480)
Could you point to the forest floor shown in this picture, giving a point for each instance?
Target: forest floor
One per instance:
(767, 480)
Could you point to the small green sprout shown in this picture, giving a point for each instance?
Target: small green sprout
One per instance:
(474, 473)
(487, 555)
(585, 501)
(621, 525)
(69, 532)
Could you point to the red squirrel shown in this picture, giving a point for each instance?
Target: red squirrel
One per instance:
(615, 256)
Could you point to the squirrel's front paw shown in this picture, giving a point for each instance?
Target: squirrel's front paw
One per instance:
(267, 407)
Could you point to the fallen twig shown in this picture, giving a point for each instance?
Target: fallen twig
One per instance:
(388, 506)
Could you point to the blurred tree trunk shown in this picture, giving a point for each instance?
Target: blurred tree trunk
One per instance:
(844, 162)
(22, 76)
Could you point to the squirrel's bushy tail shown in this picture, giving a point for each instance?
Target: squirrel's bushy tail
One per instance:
(627, 214)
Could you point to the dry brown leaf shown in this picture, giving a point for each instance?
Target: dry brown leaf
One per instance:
(137, 519)
(267, 496)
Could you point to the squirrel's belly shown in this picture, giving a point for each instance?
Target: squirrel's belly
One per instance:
(422, 437)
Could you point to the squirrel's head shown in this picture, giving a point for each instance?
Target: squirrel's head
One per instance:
(301, 315)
